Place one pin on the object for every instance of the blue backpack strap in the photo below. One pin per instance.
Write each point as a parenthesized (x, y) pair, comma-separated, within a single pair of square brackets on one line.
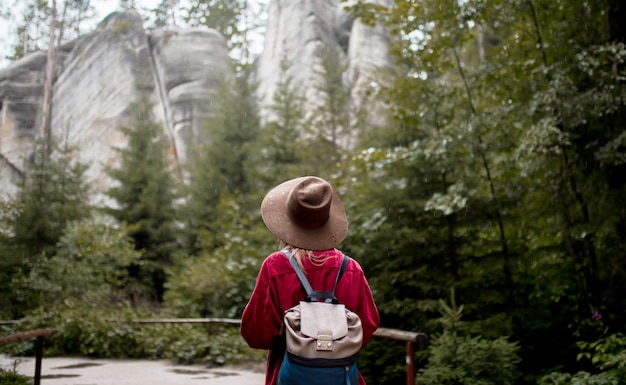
[(342, 268), (305, 282), (311, 294)]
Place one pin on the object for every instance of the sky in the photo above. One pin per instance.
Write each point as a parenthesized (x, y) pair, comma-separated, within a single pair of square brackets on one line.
[(102, 9)]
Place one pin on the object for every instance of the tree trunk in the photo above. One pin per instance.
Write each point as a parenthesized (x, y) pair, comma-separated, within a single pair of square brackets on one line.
[(47, 90)]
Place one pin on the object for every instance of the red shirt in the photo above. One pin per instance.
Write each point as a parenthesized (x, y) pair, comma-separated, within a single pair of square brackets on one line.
[(277, 289)]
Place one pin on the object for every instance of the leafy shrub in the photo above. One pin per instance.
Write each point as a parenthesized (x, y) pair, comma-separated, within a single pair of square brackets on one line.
[(607, 355), (111, 333), (12, 377), (82, 296)]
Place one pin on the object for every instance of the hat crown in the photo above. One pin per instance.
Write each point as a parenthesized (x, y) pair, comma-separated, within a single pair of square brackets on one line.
[(305, 212), (309, 202)]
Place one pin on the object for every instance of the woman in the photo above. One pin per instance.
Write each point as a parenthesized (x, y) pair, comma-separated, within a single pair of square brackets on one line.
[(307, 216)]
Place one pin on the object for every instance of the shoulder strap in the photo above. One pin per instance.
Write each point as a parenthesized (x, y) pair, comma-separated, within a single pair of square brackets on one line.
[(311, 294)]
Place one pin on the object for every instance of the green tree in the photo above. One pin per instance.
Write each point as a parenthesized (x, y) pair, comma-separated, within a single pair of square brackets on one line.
[(221, 160), (607, 358), (144, 196), (330, 115), (502, 114), (282, 146), (457, 357), (53, 193), (86, 269), (218, 279)]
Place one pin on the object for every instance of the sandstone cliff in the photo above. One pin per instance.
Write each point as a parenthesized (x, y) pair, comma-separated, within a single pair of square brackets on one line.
[(98, 77), (302, 31), (103, 72)]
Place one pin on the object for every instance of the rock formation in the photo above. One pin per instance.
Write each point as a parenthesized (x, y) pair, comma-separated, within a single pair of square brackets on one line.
[(102, 73), (301, 31), (99, 76)]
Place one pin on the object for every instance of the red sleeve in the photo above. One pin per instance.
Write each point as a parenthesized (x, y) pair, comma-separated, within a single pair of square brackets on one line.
[(261, 319), (368, 312)]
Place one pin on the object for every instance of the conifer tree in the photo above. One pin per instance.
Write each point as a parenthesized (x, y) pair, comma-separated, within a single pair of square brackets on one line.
[(53, 193), (220, 162), (144, 196), (330, 119), (282, 149)]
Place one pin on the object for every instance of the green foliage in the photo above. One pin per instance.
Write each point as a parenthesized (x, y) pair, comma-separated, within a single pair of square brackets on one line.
[(607, 353), (225, 16), (144, 195), (580, 378), (330, 115), (12, 377), (53, 193), (89, 267), (499, 171), (82, 296), (109, 332), (458, 358), (491, 174), (222, 159), (218, 281), (607, 356), (281, 139)]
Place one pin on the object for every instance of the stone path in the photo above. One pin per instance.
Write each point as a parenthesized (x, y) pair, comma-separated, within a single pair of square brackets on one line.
[(87, 371)]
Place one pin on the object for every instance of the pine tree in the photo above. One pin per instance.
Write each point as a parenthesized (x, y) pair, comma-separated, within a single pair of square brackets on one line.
[(144, 196), (53, 193), (221, 162), (282, 147)]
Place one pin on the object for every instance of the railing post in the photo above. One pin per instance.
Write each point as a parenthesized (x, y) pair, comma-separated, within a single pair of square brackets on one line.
[(38, 359), (410, 363)]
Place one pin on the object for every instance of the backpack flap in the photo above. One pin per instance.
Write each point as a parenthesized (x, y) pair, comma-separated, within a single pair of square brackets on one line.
[(323, 319)]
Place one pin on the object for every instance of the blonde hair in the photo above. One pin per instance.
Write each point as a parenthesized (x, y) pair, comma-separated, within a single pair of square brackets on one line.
[(297, 253)]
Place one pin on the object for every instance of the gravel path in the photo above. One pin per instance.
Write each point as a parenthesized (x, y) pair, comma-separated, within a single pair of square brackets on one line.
[(87, 371)]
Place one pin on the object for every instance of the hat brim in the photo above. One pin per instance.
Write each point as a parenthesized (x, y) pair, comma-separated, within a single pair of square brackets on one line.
[(276, 218)]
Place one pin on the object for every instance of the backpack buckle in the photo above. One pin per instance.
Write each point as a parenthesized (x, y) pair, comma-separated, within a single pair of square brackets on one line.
[(325, 343)]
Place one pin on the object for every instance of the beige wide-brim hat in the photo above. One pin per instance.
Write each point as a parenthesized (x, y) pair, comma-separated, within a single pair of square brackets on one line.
[(306, 213)]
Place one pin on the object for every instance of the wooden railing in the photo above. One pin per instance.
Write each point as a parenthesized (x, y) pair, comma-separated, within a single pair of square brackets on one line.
[(39, 334), (411, 338)]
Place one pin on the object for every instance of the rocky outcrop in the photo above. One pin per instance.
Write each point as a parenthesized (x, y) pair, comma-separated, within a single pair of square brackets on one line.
[(98, 79), (21, 92), (302, 32), (190, 67), (101, 74)]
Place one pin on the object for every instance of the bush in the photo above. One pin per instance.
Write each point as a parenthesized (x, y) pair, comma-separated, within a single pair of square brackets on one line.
[(455, 358), (81, 295), (87, 330), (607, 355), (11, 377)]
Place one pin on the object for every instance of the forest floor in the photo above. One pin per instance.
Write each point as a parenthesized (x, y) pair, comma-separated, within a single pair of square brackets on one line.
[(88, 371)]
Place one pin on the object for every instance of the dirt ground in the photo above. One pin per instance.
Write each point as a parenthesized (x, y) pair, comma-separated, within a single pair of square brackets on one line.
[(87, 371)]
